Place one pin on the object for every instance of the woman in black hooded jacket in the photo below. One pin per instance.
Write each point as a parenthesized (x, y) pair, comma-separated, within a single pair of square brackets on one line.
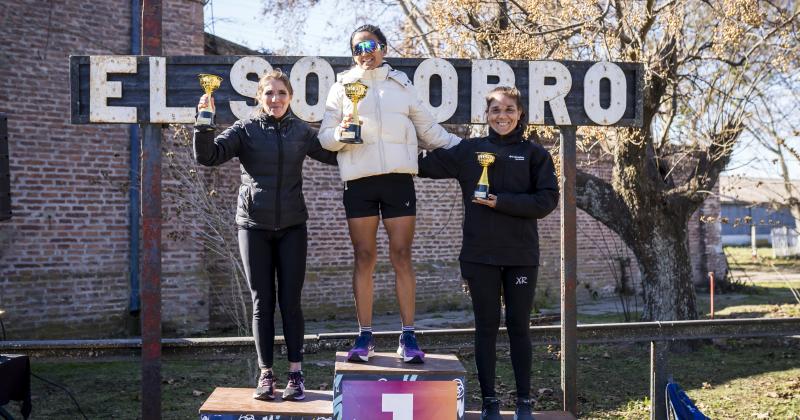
[(500, 250), (271, 216)]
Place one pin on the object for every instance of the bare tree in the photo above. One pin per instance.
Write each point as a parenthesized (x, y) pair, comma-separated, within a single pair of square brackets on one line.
[(200, 210)]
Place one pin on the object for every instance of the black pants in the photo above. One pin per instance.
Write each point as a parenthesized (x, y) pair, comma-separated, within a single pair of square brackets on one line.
[(264, 254), (516, 285)]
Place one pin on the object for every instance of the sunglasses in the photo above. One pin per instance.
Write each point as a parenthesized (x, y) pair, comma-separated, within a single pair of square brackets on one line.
[(367, 47)]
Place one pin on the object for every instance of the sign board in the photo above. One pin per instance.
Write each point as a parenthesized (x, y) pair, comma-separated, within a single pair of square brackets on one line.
[(161, 90)]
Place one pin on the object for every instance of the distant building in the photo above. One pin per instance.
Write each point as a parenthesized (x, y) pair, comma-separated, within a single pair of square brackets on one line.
[(747, 202)]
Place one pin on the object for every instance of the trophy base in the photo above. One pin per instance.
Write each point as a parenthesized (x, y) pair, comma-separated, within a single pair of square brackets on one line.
[(481, 192), (352, 135), (205, 118)]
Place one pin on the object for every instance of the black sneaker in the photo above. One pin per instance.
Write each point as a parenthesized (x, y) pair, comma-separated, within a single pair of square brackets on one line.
[(265, 389), (491, 409), (524, 408), (295, 390)]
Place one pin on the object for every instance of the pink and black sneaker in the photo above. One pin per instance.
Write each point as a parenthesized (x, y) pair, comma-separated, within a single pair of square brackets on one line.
[(295, 388), (265, 389)]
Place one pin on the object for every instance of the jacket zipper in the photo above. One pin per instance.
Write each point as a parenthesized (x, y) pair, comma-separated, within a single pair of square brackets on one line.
[(279, 178), (380, 132)]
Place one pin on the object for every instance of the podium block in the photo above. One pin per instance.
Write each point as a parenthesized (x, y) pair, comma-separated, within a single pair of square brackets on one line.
[(388, 389), (238, 403)]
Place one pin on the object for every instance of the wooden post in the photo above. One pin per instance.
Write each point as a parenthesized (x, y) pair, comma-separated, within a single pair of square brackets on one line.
[(658, 380), (569, 346), (151, 232)]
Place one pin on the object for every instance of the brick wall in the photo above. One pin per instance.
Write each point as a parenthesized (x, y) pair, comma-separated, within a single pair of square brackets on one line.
[(64, 254)]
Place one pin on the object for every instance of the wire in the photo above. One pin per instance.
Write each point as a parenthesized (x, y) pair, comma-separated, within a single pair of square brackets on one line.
[(51, 383)]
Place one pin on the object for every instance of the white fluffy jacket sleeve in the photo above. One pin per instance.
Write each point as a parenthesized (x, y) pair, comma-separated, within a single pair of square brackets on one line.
[(328, 133), (430, 134)]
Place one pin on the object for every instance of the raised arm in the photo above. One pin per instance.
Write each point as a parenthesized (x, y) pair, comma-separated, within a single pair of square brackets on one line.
[(431, 135), (440, 163), (543, 199), (315, 150), (210, 151)]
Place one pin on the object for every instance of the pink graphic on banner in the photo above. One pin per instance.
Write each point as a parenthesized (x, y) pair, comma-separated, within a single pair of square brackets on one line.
[(398, 400)]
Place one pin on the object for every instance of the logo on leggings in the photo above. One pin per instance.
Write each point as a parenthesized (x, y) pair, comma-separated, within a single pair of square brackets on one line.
[(408, 204), (522, 280)]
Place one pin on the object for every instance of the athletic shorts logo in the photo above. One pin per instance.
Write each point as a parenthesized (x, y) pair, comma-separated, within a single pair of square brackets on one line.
[(522, 280), (408, 204)]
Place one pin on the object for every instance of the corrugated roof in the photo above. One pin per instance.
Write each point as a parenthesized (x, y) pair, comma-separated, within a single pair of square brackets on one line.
[(742, 189)]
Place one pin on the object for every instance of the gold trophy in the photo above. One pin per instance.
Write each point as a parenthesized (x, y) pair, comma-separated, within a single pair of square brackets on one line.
[(355, 91), (486, 160), (210, 83)]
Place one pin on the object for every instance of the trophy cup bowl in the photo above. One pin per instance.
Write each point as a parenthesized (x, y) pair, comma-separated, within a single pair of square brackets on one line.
[(485, 159), (355, 91), (209, 83)]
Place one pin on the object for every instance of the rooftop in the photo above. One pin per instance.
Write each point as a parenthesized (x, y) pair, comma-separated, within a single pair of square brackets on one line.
[(740, 189)]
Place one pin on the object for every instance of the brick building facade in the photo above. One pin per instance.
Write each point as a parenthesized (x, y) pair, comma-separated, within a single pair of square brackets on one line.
[(64, 254)]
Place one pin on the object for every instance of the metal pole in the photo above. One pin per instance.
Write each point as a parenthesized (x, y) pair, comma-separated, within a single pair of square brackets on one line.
[(151, 232), (711, 289), (658, 380), (753, 248), (569, 346)]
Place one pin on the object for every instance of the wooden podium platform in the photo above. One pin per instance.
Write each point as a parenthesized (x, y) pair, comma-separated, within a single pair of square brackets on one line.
[(383, 389), (233, 403)]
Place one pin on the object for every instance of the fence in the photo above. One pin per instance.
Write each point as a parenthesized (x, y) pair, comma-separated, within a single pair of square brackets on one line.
[(658, 334)]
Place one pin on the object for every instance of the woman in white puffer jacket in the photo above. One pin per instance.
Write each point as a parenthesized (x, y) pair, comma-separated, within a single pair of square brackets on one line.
[(378, 176)]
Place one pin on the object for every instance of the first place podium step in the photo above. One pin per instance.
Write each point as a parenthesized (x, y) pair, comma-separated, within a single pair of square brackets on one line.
[(388, 389)]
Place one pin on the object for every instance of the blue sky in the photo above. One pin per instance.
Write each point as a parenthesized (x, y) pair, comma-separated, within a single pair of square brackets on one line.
[(241, 21)]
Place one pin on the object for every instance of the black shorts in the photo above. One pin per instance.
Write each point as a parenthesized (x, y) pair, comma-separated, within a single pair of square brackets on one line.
[(390, 195)]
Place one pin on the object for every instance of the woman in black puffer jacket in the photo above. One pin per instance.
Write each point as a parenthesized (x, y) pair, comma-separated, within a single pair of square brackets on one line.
[(271, 216), (500, 250)]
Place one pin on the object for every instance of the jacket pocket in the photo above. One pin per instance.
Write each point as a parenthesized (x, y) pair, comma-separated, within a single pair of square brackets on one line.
[(244, 201)]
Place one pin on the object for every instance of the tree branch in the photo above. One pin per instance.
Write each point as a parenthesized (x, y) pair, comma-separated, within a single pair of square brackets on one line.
[(597, 197)]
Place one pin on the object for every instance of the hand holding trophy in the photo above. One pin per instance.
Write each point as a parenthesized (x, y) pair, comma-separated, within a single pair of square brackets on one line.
[(205, 110), (355, 91), (485, 159)]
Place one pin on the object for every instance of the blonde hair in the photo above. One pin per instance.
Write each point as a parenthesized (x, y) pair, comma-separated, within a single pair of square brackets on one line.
[(276, 74)]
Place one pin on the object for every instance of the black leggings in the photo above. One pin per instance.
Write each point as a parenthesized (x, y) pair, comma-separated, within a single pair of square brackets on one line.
[(517, 285), (265, 253)]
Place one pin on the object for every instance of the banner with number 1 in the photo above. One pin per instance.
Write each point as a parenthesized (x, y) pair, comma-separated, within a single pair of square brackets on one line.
[(399, 400)]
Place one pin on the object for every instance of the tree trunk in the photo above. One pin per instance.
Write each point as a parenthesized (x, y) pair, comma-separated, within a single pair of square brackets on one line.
[(664, 262)]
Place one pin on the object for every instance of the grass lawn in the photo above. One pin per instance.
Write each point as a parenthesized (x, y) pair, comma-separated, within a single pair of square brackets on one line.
[(743, 256), (738, 379)]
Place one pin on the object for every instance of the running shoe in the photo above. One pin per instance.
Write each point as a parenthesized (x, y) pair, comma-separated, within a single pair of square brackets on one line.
[(265, 389), (491, 409), (524, 409), (295, 389), (363, 349), (409, 349)]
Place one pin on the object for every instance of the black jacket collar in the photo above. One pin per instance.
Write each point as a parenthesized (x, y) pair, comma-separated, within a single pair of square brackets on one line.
[(515, 136), (268, 119)]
